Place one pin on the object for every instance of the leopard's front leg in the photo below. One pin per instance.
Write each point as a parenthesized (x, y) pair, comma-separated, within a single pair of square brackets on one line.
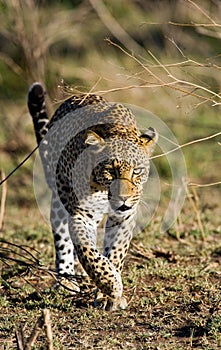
[(100, 269), (118, 234)]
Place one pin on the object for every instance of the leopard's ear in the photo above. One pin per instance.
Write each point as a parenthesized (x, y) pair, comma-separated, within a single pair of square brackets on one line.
[(91, 138), (149, 138)]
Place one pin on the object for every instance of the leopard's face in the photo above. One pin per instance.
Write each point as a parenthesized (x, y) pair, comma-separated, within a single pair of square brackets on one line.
[(123, 173), (123, 181)]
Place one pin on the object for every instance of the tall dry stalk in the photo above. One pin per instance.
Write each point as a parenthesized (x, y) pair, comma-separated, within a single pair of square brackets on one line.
[(25, 24)]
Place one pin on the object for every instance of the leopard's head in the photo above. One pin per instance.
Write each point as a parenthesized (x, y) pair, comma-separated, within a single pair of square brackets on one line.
[(125, 167)]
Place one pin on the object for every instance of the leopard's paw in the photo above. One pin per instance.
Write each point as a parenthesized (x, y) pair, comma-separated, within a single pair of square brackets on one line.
[(104, 302)]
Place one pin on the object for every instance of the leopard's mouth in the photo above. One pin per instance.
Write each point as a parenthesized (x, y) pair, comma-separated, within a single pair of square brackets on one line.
[(123, 207)]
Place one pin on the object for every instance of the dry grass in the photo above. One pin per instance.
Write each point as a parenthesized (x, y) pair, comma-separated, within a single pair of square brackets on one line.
[(173, 288)]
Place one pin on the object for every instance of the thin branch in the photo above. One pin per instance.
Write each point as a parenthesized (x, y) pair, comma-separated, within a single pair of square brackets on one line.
[(174, 84), (91, 91), (187, 144), (183, 81), (194, 200), (43, 320), (31, 258), (194, 184), (200, 9), (34, 334), (19, 334), (18, 166), (115, 28), (12, 65), (210, 33), (130, 87), (137, 60), (48, 330), (3, 200), (192, 24)]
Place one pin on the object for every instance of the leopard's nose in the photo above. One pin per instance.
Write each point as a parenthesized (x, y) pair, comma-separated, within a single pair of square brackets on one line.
[(124, 197), (121, 189)]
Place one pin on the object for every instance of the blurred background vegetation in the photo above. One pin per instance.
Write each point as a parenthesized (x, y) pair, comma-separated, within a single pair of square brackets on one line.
[(161, 55)]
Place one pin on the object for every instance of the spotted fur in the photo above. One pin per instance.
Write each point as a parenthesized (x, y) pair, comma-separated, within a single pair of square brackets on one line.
[(96, 161)]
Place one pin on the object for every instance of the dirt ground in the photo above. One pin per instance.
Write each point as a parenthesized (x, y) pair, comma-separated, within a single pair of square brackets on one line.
[(172, 285)]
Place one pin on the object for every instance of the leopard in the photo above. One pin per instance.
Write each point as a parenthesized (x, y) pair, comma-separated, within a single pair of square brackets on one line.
[(96, 161)]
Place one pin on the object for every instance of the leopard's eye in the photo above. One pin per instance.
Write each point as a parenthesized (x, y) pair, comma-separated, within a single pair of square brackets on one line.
[(109, 168), (138, 171), (110, 171)]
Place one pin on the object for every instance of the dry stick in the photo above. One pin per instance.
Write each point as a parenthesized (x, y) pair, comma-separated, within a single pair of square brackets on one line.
[(196, 209), (135, 86), (34, 334), (179, 224), (3, 200), (208, 32), (43, 320), (115, 28), (194, 184), (12, 65), (174, 84), (192, 24), (202, 11), (187, 144), (138, 61), (48, 330), (90, 91), (184, 82), (20, 338), (179, 24)]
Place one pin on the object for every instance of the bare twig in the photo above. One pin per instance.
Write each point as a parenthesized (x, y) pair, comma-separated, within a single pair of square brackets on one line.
[(43, 321), (184, 82), (175, 83), (177, 226), (194, 201), (19, 334), (192, 24), (34, 334), (200, 9), (29, 258), (194, 184), (12, 64), (115, 28), (48, 330), (141, 252), (187, 144), (211, 33), (18, 166), (3, 200)]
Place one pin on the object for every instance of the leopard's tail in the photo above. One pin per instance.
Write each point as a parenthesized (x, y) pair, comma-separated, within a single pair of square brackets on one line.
[(37, 109)]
